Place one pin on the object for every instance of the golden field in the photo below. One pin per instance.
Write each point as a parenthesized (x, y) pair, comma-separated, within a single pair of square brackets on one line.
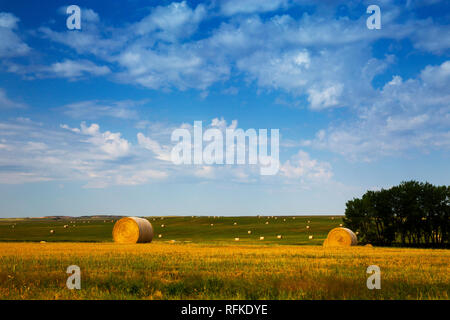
[(163, 270)]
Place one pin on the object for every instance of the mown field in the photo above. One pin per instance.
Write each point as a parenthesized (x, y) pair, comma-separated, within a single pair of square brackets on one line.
[(205, 262), (185, 229)]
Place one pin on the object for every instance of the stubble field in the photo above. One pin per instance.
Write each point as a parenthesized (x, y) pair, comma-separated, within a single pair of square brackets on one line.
[(188, 264)]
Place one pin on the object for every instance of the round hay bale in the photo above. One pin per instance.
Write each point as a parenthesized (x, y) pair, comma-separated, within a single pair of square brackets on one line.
[(236, 239), (133, 230), (261, 238), (52, 231), (310, 237), (368, 245), (249, 231), (341, 237), (279, 236)]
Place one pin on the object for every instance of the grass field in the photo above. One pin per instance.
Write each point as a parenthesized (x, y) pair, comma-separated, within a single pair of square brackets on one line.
[(205, 262)]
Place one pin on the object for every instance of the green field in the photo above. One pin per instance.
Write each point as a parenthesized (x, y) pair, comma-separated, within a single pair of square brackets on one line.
[(185, 229)]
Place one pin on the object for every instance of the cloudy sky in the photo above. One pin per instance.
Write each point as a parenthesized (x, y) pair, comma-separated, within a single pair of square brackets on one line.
[(86, 115)]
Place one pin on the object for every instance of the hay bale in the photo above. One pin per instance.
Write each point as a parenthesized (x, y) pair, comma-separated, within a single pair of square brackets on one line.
[(307, 227), (249, 231), (261, 238), (279, 236), (212, 224), (133, 230), (340, 224), (52, 231), (159, 235), (341, 237), (236, 239), (235, 224), (368, 245), (43, 242), (163, 226), (310, 237), (267, 222)]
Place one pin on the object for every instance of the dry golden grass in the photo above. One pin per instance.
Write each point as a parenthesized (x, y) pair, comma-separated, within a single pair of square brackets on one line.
[(192, 271)]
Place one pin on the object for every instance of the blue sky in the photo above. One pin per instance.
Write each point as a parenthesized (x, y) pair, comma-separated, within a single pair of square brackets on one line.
[(86, 115)]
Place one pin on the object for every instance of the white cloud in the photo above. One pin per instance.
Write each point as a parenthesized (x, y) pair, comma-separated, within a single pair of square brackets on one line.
[(71, 69), (232, 7), (162, 153), (316, 56), (94, 109), (328, 97), (302, 167), (10, 45), (405, 115), (31, 152), (75, 69), (177, 20), (6, 103)]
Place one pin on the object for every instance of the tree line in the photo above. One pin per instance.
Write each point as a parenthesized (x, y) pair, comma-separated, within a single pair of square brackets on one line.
[(411, 214)]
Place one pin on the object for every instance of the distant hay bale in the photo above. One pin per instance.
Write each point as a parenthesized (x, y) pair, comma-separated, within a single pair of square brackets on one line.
[(267, 222), (249, 231), (293, 218), (332, 218), (340, 237), (235, 224), (159, 235), (307, 227), (163, 226), (309, 221), (284, 220), (340, 225), (236, 239), (172, 241), (133, 230), (212, 224), (66, 226), (52, 231), (279, 236), (43, 242), (261, 238), (310, 237)]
